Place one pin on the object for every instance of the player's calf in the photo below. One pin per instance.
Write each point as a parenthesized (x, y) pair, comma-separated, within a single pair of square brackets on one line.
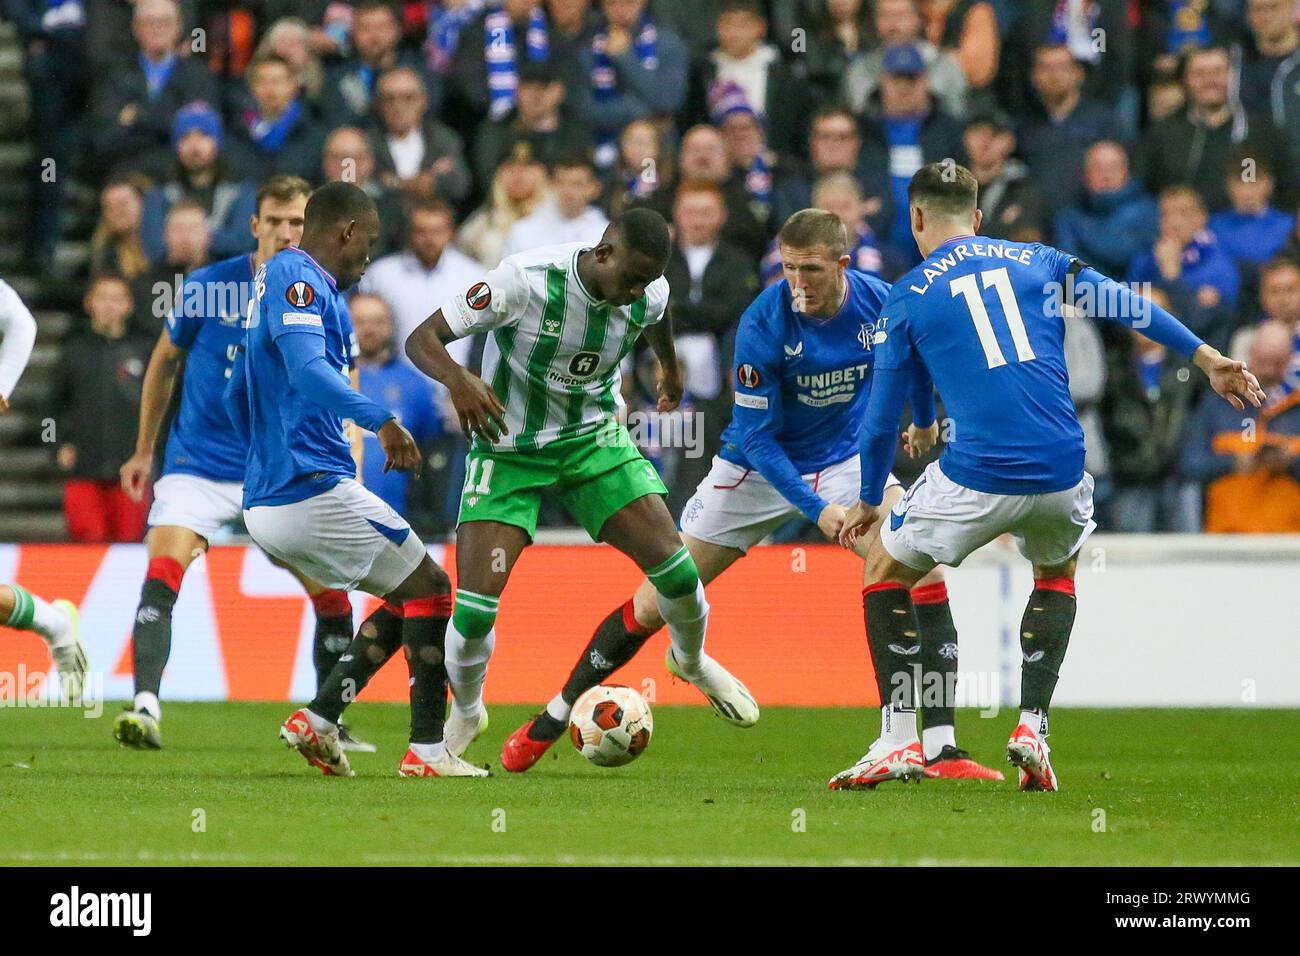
[(1044, 637), (377, 640), (471, 639)]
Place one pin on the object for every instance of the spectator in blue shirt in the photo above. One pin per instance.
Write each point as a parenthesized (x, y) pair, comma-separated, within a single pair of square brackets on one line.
[(394, 385), (1186, 259), (199, 172), (1114, 219), (1252, 231)]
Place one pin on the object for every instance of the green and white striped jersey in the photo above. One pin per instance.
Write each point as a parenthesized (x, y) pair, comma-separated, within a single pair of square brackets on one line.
[(554, 353)]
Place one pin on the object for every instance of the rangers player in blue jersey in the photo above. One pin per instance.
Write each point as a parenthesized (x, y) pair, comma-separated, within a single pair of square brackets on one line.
[(201, 486), (804, 356), (289, 397), (986, 319)]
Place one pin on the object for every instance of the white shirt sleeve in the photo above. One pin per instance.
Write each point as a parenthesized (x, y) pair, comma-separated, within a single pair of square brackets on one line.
[(656, 300), (19, 331), (496, 300)]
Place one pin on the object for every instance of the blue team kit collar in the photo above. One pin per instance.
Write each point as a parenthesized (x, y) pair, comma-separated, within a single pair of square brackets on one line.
[(323, 271), (950, 242)]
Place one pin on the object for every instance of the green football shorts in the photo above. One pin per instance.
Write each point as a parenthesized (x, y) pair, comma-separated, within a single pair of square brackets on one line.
[(592, 475)]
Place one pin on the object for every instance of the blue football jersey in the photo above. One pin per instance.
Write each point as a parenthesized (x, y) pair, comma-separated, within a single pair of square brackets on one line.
[(983, 316), (803, 383), (297, 448), (207, 322)]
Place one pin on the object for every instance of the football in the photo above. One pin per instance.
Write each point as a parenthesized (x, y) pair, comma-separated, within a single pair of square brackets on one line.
[(610, 725)]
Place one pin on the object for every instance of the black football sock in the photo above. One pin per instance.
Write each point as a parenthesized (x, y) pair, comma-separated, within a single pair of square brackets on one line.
[(1044, 636), (938, 689), (333, 631), (424, 637), (151, 638), (895, 642), (378, 639), (616, 641)]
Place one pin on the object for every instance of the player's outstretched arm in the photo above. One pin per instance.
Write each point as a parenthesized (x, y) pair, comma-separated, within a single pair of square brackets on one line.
[(1116, 302), (155, 396), (660, 337), (477, 406)]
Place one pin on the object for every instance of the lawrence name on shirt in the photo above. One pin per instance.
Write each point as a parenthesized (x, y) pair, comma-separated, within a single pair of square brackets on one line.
[(986, 319)]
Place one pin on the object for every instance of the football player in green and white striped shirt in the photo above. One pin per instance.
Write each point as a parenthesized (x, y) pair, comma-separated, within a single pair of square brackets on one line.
[(544, 417)]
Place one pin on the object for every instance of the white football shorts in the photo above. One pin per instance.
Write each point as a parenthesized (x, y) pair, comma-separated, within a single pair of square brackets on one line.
[(197, 504), (941, 522), (345, 538), (737, 507)]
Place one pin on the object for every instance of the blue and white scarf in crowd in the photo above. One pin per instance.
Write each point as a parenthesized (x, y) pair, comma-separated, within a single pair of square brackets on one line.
[(502, 62), (63, 15), (758, 183), (445, 27), (269, 135), (1074, 23), (604, 80)]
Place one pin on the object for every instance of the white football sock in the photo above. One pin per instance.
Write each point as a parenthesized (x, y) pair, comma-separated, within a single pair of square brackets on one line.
[(467, 663), (687, 619), (149, 703), (897, 726), (558, 709), (319, 723), (934, 739), (430, 752), (1036, 720), (50, 622)]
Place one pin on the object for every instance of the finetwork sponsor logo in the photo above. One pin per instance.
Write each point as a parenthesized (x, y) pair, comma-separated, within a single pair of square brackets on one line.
[(74, 908)]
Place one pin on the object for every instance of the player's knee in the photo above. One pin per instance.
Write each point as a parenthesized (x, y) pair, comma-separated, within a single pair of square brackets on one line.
[(677, 577), (474, 615)]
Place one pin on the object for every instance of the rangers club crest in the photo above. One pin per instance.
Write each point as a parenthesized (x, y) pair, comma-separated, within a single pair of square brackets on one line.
[(479, 296), (300, 295), (747, 376), (865, 335)]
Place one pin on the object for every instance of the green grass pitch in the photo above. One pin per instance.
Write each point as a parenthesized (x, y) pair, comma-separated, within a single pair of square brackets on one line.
[(1139, 788)]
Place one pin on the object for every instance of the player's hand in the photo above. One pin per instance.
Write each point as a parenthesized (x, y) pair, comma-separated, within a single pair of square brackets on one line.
[(831, 520), (918, 440), (66, 457), (670, 389), (477, 406), (857, 522), (4, 405), (400, 450), (136, 474), (1231, 380)]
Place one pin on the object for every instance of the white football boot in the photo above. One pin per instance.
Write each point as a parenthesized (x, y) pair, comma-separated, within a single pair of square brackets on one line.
[(459, 732), (730, 699), (885, 760), (320, 749), (70, 654), (1028, 750), (448, 765)]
